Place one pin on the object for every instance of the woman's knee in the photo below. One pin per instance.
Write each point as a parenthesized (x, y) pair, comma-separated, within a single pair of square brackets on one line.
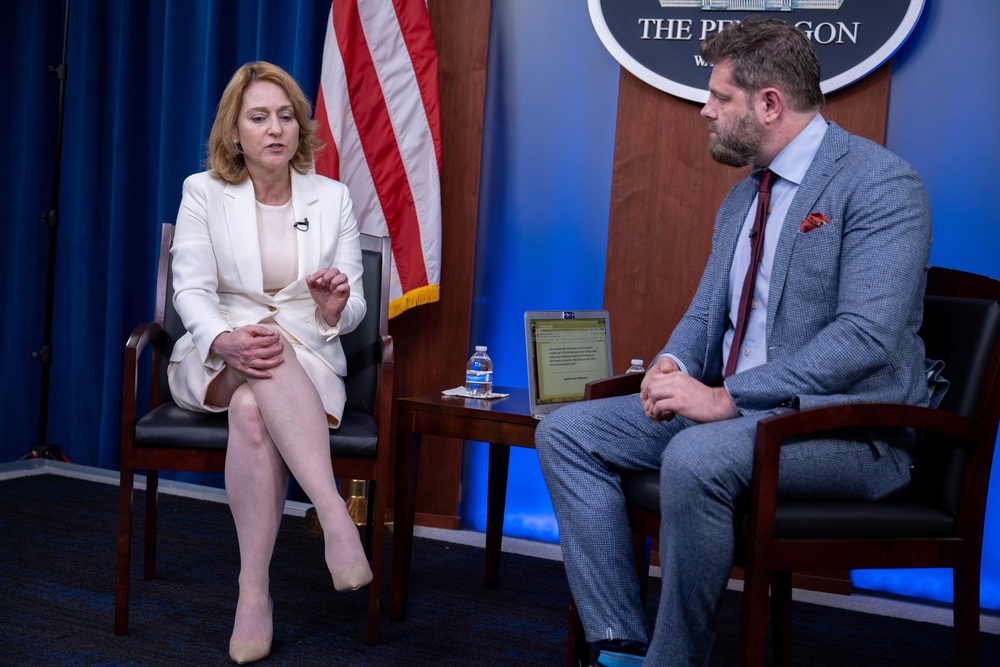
[(287, 350), (245, 418)]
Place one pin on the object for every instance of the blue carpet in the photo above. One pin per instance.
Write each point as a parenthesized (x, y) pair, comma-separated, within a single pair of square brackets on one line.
[(57, 560)]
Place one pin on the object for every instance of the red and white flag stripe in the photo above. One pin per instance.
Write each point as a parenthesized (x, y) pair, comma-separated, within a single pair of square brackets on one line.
[(379, 117)]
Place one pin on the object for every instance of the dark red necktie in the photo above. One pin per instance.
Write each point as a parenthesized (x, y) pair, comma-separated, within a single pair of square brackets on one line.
[(756, 250)]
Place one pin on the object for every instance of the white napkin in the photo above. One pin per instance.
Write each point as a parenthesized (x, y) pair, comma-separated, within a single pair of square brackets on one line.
[(464, 393)]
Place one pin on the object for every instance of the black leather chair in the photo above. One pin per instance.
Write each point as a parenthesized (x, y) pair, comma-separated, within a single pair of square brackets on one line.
[(936, 522), (168, 437)]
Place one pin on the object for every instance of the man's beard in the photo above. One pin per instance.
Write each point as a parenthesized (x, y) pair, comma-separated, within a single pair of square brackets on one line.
[(740, 145)]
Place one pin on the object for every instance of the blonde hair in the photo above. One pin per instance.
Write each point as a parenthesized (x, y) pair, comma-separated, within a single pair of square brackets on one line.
[(225, 157)]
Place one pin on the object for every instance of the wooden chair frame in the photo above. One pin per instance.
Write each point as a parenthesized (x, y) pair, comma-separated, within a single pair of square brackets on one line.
[(769, 559), (377, 469)]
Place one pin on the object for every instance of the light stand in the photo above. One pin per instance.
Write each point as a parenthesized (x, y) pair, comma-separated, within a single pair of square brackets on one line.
[(42, 448)]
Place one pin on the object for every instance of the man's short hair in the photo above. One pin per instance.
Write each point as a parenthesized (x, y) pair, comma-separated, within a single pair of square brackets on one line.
[(766, 52)]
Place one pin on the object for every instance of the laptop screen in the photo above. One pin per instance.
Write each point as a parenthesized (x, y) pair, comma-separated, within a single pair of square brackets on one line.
[(566, 350)]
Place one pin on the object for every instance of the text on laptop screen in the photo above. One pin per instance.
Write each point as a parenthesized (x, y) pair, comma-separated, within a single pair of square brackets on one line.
[(570, 353)]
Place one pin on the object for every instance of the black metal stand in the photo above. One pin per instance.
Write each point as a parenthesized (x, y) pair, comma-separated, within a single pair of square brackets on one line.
[(42, 448)]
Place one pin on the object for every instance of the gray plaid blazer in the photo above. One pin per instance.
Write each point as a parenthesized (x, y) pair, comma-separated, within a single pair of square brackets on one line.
[(846, 299)]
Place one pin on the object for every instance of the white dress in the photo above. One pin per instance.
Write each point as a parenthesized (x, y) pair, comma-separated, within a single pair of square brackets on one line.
[(190, 379)]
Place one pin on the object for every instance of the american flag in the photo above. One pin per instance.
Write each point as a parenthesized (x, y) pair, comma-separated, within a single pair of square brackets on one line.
[(379, 117)]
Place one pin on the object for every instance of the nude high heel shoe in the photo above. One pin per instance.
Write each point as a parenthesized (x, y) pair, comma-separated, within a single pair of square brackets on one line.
[(342, 543), (242, 652), (352, 578)]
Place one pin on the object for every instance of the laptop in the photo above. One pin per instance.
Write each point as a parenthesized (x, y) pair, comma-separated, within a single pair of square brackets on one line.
[(566, 350)]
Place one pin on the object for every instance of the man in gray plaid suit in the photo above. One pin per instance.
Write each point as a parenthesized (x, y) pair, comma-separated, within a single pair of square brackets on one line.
[(834, 311)]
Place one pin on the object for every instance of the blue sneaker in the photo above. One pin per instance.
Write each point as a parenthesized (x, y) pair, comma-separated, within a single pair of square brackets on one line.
[(616, 659)]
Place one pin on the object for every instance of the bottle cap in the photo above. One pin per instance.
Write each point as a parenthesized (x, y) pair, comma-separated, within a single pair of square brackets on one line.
[(637, 362), (480, 348)]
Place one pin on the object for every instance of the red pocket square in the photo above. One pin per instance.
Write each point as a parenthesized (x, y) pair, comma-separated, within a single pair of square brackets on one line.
[(812, 221)]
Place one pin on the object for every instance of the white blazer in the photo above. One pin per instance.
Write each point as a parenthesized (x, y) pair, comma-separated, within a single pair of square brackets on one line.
[(218, 279)]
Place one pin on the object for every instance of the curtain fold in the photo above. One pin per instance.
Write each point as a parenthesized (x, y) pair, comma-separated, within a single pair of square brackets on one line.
[(143, 82)]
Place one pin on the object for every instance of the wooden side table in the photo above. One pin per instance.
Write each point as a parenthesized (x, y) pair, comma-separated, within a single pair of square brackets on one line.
[(502, 422)]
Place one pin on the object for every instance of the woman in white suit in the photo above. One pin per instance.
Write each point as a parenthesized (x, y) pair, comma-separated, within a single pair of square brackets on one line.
[(267, 276)]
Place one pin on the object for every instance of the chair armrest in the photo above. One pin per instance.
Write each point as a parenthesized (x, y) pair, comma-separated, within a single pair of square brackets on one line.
[(143, 335), (149, 333), (385, 406), (616, 385), (388, 353), (772, 432)]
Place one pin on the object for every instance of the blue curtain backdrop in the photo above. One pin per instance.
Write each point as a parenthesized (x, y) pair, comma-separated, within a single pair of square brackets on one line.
[(143, 82), (144, 79)]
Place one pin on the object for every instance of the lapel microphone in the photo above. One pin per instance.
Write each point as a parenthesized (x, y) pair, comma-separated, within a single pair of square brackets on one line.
[(303, 225)]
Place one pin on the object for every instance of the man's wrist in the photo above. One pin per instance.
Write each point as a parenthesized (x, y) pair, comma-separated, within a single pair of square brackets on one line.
[(726, 399)]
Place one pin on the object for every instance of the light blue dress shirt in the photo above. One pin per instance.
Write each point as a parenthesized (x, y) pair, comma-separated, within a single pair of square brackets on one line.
[(790, 165)]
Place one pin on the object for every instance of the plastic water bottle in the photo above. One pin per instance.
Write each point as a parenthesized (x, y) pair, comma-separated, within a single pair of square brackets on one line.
[(479, 373), (636, 367)]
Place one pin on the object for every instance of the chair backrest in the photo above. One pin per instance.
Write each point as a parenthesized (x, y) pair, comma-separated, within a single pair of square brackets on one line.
[(166, 316), (362, 347), (961, 327)]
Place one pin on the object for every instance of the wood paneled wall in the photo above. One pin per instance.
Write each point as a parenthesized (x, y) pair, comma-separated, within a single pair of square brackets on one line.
[(430, 341)]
